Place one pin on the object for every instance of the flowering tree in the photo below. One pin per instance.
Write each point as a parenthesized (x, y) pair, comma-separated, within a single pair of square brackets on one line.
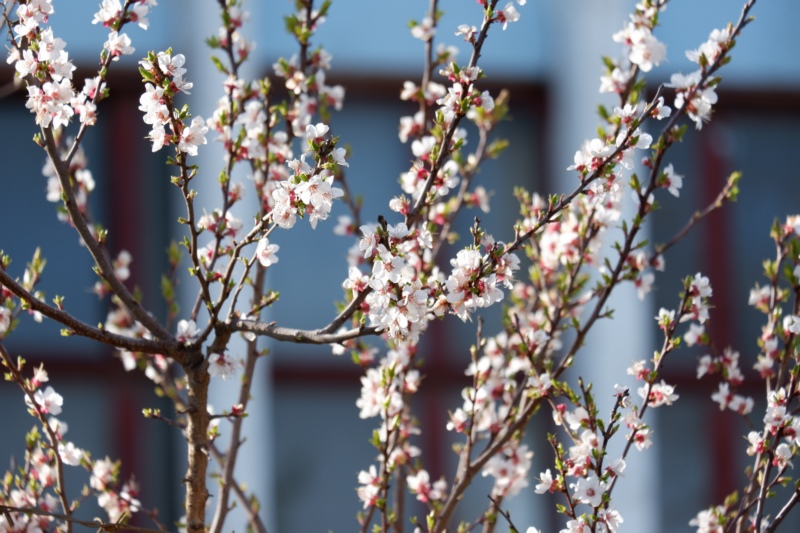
[(277, 128)]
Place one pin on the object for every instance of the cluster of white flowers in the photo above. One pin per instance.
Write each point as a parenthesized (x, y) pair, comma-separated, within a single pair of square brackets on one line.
[(473, 283), (45, 456), (696, 95), (420, 484), (643, 49), (591, 484), (398, 301), (310, 191), (701, 99), (727, 365), (111, 12), (394, 279), (240, 45), (383, 394), (114, 501), (41, 57), (82, 186), (369, 486), (309, 84), (164, 73), (509, 468), (459, 100)]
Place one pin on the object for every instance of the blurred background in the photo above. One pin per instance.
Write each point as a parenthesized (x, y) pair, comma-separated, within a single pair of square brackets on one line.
[(305, 443)]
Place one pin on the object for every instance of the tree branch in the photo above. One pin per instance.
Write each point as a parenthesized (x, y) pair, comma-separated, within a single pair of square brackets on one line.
[(96, 524), (84, 330), (316, 336), (106, 270)]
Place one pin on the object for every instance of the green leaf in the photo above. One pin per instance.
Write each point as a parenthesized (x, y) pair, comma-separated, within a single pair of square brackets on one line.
[(218, 63)]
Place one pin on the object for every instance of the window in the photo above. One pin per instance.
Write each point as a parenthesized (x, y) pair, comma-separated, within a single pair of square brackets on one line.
[(103, 403), (756, 133), (315, 393)]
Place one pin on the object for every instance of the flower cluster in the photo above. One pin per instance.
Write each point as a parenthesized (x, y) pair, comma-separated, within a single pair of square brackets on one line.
[(584, 461), (305, 77), (398, 301), (116, 501), (420, 484), (82, 182), (396, 284), (696, 90), (384, 393), (40, 57), (37, 482), (727, 365), (643, 49), (309, 191), (509, 469), (774, 442), (163, 77), (588, 435)]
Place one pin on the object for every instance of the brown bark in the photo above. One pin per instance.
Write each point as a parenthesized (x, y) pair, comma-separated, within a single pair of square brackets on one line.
[(197, 440)]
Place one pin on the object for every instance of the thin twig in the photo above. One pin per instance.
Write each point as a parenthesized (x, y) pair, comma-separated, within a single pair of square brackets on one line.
[(504, 514), (51, 434), (96, 525)]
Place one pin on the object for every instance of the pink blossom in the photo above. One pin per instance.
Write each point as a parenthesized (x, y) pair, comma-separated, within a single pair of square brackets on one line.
[(660, 110), (510, 470), (757, 444), (5, 320), (425, 30), (222, 365), (193, 136), (791, 324), (467, 31), (420, 484), (642, 439), (70, 454), (577, 526), (187, 331), (118, 44), (171, 66), (46, 402), (701, 101), (109, 11), (266, 252), (709, 51), (508, 14), (589, 491), (611, 517), (671, 181), (546, 482), (707, 521), (645, 50), (783, 456), (369, 488), (50, 47), (104, 473), (316, 133), (694, 335), (660, 394)]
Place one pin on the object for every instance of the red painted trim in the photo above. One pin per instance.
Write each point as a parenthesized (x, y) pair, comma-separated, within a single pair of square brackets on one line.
[(124, 171), (716, 235)]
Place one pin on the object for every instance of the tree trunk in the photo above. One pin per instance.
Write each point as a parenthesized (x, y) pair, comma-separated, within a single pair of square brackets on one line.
[(196, 437)]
